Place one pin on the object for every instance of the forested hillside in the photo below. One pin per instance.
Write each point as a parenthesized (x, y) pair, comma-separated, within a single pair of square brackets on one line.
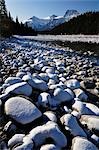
[(9, 27), (87, 23)]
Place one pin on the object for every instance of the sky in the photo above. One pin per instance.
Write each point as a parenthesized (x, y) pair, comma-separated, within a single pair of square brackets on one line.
[(25, 9)]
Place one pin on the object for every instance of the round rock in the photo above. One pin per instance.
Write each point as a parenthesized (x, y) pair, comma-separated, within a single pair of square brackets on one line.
[(21, 110), (82, 144), (20, 88), (73, 84)]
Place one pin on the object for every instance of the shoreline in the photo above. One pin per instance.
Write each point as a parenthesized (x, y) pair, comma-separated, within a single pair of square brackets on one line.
[(71, 38)]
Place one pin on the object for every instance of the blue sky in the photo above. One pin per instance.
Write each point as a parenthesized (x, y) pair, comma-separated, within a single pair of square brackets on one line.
[(25, 9)]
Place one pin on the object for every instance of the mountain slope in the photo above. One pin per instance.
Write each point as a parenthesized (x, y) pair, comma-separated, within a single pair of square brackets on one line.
[(50, 22), (87, 23)]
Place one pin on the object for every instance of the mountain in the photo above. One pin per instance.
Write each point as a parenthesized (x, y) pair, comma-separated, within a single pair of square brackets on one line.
[(87, 23), (71, 13), (50, 22)]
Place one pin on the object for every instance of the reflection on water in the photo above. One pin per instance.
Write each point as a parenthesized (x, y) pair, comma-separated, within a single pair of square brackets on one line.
[(81, 46)]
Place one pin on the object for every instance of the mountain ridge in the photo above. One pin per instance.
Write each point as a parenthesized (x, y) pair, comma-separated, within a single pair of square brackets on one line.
[(48, 23)]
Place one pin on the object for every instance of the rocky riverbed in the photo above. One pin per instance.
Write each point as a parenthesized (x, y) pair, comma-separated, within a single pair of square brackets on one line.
[(49, 97)]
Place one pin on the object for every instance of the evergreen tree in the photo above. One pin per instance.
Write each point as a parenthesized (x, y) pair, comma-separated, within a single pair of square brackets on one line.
[(9, 27), (3, 10), (9, 16), (3, 19), (87, 23), (17, 21)]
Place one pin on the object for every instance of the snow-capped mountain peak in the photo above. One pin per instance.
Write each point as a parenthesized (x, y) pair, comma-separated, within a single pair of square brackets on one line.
[(53, 17), (50, 22), (70, 13)]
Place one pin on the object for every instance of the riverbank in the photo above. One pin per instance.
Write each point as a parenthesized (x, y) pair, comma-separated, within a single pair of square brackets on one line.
[(71, 38), (46, 91)]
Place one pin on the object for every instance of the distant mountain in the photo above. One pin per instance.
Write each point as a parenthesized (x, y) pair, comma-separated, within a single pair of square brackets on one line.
[(50, 22), (87, 23), (71, 13)]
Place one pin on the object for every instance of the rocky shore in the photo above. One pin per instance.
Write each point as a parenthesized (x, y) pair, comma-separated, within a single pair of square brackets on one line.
[(49, 97)]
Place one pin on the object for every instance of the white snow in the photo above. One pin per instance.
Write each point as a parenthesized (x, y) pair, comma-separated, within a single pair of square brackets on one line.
[(35, 82), (17, 138), (21, 110), (71, 124), (82, 144), (80, 94), (12, 80), (92, 122), (61, 95), (71, 38), (19, 88), (73, 84), (49, 147), (41, 24), (51, 115), (48, 130)]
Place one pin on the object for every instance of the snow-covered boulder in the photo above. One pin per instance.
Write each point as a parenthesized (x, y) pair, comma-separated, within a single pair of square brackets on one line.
[(35, 82), (82, 144), (62, 79), (44, 77), (92, 122), (85, 108), (17, 138), (20, 88), (12, 80), (59, 63), (71, 124), (4, 86), (53, 77), (25, 146), (54, 86), (51, 116), (48, 130), (20, 74), (44, 68), (80, 94), (50, 147), (39, 84), (21, 110), (44, 99), (95, 138), (61, 95), (93, 108), (61, 69), (51, 82), (73, 84), (50, 70)]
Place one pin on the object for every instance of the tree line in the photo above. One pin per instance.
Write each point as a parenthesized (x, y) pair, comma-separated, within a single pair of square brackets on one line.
[(10, 27), (87, 23)]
